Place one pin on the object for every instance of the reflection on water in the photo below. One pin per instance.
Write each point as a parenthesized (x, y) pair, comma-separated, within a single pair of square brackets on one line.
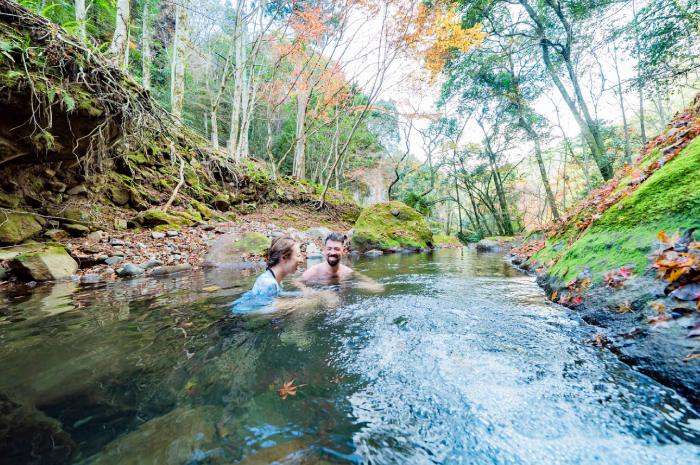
[(458, 360)]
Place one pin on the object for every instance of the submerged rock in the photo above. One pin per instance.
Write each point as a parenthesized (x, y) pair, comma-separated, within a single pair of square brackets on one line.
[(378, 228), (16, 227), (48, 264), (179, 437)]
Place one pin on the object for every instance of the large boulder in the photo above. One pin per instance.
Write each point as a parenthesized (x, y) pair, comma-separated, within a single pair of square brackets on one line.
[(50, 263), (391, 226), (16, 227), (251, 243)]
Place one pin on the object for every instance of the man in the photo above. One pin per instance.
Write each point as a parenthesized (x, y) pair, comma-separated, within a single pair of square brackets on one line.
[(331, 269)]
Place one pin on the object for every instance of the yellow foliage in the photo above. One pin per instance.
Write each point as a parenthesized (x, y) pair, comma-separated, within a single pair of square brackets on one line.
[(437, 32)]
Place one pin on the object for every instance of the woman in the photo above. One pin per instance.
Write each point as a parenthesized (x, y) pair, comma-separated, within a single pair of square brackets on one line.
[(283, 258)]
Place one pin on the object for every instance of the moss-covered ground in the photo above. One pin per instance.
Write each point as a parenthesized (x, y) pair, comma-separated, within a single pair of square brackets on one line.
[(669, 200)]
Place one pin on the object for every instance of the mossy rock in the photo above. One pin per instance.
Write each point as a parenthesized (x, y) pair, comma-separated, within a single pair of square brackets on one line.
[(9, 200), (76, 229), (49, 264), (76, 215), (252, 243), (154, 217), (16, 227), (391, 225), (206, 212), (118, 195)]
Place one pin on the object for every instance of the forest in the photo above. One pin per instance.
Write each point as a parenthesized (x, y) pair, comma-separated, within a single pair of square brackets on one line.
[(349, 232), (554, 98)]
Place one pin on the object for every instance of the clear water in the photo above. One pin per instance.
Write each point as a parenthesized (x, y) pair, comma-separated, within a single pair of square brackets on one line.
[(459, 361)]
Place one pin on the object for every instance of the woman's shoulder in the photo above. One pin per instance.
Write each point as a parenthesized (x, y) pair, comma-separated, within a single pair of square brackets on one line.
[(266, 284)]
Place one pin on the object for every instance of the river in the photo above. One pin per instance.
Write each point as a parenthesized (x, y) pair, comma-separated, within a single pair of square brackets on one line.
[(460, 360)]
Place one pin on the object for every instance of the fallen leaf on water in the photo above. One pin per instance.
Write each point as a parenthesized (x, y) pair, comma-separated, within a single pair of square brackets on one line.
[(211, 288), (690, 357), (600, 340), (625, 307), (289, 389)]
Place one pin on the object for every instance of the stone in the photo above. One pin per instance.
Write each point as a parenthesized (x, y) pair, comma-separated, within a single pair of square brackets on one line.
[(488, 245), (56, 234), (107, 274), (56, 186), (49, 173), (120, 224), (16, 227), (9, 200), (251, 243), (168, 269), (157, 235), (152, 263), (155, 217), (89, 248), (76, 215), (96, 236), (395, 212), (76, 230), (374, 253), (222, 202), (49, 264), (115, 241), (206, 212), (113, 260), (4, 273), (312, 251), (378, 228), (319, 233), (172, 233), (119, 195), (77, 190), (130, 270)]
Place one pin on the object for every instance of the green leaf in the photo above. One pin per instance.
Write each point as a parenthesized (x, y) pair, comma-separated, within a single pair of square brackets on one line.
[(68, 101)]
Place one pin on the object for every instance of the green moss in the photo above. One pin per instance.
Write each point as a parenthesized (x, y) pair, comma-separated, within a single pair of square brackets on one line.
[(378, 228), (138, 158), (16, 227), (155, 217), (252, 243), (443, 240), (668, 201)]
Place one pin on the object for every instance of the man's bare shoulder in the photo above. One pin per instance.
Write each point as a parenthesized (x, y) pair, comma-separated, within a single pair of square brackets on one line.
[(312, 272), (346, 270)]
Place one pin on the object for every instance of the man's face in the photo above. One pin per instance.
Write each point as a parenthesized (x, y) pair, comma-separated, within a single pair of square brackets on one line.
[(333, 251)]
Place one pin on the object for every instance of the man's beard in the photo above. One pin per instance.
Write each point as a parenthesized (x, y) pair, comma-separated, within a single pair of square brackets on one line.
[(333, 260)]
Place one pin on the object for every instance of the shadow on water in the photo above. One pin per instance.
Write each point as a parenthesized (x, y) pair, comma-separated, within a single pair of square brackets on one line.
[(459, 360)]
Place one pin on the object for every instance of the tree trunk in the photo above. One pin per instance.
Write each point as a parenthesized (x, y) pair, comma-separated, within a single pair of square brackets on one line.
[(299, 169), (177, 79), (80, 18), (146, 37), (540, 163), (583, 118), (119, 48), (628, 152)]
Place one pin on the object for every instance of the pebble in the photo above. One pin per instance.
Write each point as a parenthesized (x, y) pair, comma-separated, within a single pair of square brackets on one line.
[(116, 241), (172, 233), (157, 235), (79, 189), (96, 236), (130, 270), (111, 261), (90, 248), (152, 263)]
